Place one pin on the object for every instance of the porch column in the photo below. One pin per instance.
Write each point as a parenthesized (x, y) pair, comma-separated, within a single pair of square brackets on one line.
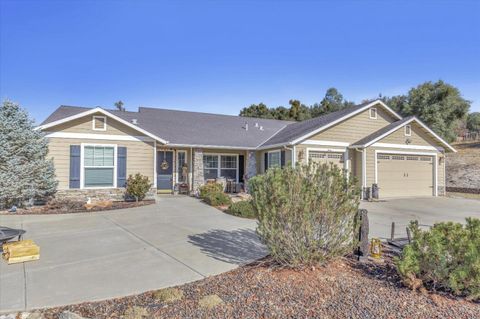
[(198, 179), (251, 167)]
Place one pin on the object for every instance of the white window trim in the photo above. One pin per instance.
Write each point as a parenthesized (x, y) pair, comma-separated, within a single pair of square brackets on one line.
[(219, 168), (104, 122), (370, 113), (177, 164), (435, 165), (268, 158), (410, 128), (82, 166)]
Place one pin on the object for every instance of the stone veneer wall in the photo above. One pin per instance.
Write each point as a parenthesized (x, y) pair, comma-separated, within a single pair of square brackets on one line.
[(115, 194), (198, 179), (251, 167)]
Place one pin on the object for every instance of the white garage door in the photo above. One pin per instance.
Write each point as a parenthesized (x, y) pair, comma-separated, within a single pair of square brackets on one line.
[(326, 157), (405, 175)]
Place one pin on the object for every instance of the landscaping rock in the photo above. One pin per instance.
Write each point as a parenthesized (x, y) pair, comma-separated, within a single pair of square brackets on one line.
[(70, 315), (35, 315), (210, 301), (136, 312), (168, 295)]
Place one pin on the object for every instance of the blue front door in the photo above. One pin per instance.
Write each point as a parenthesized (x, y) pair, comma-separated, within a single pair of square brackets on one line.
[(164, 170)]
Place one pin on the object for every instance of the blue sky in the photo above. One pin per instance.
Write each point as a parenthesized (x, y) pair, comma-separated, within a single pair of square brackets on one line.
[(219, 56)]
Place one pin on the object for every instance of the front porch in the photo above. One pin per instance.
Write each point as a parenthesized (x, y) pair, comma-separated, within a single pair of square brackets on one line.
[(184, 170)]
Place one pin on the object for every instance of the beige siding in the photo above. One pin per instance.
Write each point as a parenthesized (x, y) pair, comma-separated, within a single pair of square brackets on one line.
[(356, 127), (357, 165), (418, 137), (261, 158), (139, 156), (84, 125)]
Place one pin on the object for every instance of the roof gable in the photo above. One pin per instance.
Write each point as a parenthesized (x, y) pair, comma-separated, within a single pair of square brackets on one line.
[(296, 132), (394, 127)]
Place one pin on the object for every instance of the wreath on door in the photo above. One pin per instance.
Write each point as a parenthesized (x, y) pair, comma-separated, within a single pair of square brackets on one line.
[(164, 166)]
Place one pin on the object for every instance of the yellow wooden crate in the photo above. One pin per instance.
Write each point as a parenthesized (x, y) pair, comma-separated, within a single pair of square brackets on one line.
[(21, 251)]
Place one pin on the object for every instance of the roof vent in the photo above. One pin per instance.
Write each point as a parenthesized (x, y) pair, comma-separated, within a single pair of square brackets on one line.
[(134, 121), (246, 126), (256, 124), (261, 128)]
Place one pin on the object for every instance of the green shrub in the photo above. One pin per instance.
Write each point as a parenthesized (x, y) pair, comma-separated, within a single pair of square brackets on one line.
[(210, 188), (445, 257), (306, 214), (217, 199), (242, 209), (138, 186)]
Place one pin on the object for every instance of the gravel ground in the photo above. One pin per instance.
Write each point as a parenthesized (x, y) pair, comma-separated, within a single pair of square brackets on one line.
[(72, 207), (342, 289)]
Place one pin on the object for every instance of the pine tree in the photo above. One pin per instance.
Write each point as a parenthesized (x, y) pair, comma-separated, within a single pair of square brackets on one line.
[(25, 171)]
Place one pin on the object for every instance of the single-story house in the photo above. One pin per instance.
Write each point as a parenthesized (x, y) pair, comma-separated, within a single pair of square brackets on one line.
[(95, 149)]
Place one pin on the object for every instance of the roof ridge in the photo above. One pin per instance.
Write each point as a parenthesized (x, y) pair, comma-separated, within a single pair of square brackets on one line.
[(216, 114)]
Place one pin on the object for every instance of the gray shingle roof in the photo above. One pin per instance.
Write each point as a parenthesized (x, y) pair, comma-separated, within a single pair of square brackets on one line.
[(192, 128), (195, 128), (299, 129), (380, 132)]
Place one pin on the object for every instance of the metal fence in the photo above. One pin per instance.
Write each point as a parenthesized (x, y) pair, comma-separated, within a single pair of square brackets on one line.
[(469, 136)]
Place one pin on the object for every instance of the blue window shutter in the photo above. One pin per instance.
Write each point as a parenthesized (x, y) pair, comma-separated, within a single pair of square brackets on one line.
[(74, 166), (121, 166), (266, 161), (282, 159)]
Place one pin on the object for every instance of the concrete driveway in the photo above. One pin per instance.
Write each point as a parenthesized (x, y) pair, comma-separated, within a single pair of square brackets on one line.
[(87, 257), (427, 211)]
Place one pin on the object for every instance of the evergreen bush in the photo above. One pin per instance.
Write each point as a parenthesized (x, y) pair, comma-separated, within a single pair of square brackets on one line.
[(217, 199), (138, 186), (210, 188), (25, 171), (306, 214), (446, 257), (242, 209)]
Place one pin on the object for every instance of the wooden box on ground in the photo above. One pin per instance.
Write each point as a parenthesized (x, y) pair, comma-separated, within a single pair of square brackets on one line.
[(20, 251)]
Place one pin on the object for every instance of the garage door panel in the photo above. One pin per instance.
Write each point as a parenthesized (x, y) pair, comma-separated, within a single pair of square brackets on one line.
[(405, 175)]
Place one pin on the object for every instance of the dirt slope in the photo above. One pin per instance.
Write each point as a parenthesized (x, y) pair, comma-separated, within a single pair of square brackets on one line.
[(463, 168)]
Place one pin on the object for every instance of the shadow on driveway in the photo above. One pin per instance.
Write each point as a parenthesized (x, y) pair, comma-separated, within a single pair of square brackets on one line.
[(235, 247)]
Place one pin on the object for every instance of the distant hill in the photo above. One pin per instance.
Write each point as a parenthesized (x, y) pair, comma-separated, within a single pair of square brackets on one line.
[(463, 168)]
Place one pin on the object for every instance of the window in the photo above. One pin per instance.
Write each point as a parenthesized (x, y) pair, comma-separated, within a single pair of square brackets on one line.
[(210, 166), (408, 130), (228, 166), (99, 166), (99, 123), (373, 113), (220, 166), (181, 160), (274, 159)]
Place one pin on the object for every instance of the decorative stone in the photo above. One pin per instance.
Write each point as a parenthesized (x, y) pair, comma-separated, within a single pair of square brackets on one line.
[(363, 230), (198, 179), (251, 167), (35, 315), (70, 315), (115, 194)]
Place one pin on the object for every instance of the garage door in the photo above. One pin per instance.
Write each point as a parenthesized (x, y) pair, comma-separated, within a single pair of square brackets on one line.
[(326, 157), (405, 175)]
